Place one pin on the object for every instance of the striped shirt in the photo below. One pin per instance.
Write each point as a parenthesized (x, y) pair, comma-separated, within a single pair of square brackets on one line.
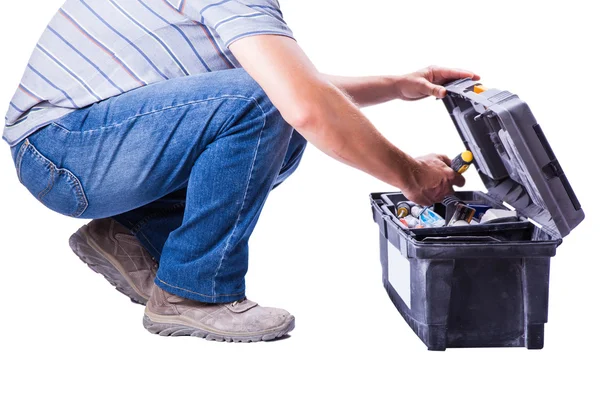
[(96, 49)]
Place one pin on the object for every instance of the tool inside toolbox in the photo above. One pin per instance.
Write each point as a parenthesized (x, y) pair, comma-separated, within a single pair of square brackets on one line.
[(521, 229)]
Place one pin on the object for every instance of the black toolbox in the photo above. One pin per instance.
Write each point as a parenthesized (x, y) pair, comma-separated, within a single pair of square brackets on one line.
[(483, 285)]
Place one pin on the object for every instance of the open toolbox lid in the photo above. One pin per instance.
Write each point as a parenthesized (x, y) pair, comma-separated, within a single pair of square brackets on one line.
[(513, 157)]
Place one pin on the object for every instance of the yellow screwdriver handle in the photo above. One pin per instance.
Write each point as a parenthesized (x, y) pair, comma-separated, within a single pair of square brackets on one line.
[(462, 162)]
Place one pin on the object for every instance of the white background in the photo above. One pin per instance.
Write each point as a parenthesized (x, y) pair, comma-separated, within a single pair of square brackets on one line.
[(66, 333)]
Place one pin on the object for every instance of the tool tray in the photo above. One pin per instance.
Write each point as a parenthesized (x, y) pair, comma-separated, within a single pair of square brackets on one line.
[(521, 230)]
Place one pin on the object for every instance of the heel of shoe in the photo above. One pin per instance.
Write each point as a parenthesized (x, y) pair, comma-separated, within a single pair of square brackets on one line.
[(86, 253), (98, 263)]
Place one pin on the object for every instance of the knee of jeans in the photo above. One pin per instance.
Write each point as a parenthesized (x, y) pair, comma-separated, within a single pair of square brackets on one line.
[(246, 86), (253, 90)]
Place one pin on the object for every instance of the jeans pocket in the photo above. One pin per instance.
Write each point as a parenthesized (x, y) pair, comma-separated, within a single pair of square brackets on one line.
[(56, 188)]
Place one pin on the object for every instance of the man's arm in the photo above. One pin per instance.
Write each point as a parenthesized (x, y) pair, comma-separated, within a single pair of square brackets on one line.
[(371, 90), (366, 91), (330, 121)]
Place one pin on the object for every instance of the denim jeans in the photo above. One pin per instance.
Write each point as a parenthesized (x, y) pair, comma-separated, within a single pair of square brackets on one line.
[(185, 164)]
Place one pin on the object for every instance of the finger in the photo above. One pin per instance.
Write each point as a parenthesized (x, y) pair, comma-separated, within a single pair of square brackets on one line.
[(454, 73), (458, 180), (454, 178), (441, 192), (445, 159), (442, 75), (435, 90), (426, 202), (441, 198), (421, 200)]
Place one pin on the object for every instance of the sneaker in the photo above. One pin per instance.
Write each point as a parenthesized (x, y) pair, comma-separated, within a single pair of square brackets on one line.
[(240, 321), (109, 249)]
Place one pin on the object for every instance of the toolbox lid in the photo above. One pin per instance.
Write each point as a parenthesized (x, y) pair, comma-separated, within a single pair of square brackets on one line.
[(513, 157)]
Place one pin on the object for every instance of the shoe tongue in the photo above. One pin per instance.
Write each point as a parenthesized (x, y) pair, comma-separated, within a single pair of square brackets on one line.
[(241, 306)]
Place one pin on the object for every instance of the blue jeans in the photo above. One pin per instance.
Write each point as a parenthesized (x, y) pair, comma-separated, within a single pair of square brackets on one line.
[(185, 164)]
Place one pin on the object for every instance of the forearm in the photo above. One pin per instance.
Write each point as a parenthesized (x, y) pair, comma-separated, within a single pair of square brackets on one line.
[(367, 91), (338, 128)]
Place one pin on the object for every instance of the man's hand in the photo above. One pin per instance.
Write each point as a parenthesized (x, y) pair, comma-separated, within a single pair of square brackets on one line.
[(427, 82), (432, 180), (370, 90)]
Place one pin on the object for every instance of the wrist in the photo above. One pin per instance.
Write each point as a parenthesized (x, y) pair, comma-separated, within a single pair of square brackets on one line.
[(390, 86), (406, 170), (399, 83)]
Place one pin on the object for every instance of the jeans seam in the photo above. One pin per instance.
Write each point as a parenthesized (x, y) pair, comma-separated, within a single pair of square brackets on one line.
[(82, 200), (199, 294), (149, 242), (40, 156), (57, 123), (244, 199), (51, 181), (49, 164), (19, 159), (285, 166)]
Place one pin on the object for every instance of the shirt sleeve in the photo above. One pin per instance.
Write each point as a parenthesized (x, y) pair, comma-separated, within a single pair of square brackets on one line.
[(237, 19)]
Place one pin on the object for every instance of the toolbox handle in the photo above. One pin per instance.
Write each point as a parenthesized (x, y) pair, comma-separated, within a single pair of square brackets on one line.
[(553, 168)]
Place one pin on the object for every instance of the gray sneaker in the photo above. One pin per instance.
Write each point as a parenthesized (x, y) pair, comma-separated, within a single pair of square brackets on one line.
[(240, 321), (109, 249)]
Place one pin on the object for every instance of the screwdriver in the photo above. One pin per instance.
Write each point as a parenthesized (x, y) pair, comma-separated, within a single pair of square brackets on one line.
[(462, 212), (462, 162)]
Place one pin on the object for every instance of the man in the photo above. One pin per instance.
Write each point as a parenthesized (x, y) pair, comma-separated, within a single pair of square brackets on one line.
[(169, 122)]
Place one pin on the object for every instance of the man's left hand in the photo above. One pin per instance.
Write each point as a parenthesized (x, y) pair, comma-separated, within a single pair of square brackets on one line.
[(427, 82)]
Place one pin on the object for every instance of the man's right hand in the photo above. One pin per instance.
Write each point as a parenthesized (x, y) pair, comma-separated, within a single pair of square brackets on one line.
[(431, 180)]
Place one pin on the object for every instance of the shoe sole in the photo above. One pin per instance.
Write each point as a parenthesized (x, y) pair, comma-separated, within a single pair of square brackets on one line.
[(104, 264), (169, 326)]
